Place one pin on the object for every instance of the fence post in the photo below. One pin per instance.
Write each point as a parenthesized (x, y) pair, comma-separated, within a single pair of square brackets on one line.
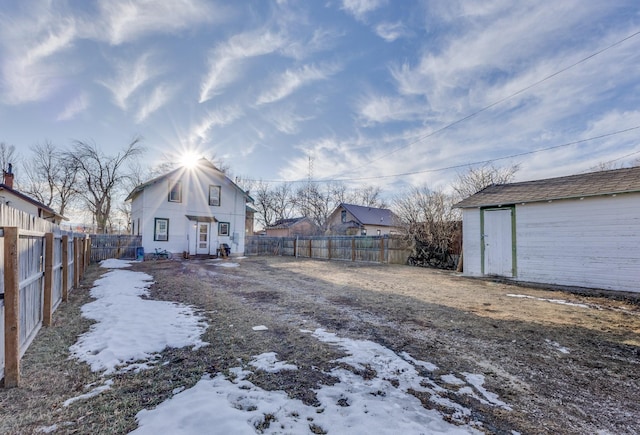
[(381, 249), (295, 247), (353, 249), (76, 262), (88, 251), (11, 309), (310, 251), (65, 268), (48, 279), (329, 248)]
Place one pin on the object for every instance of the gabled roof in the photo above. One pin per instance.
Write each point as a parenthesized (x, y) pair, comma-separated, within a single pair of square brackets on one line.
[(371, 215), (4, 187), (202, 164), (573, 186), (287, 223)]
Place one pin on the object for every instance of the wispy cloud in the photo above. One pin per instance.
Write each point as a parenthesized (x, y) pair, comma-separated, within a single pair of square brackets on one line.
[(381, 109), (360, 8), (391, 31), (287, 120), (291, 80), (75, 106), (225, 60), (200, 133), (124, 20), (159, 97), (30, 72), (129, 77), (321, 40)]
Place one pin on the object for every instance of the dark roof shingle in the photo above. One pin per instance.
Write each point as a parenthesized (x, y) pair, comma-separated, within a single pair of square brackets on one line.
[(573, 186)]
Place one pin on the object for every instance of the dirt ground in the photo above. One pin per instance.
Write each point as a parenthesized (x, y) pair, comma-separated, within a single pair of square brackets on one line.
[(564, 362)]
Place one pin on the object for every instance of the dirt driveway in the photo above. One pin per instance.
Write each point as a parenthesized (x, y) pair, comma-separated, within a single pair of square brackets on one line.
[(563, 362)]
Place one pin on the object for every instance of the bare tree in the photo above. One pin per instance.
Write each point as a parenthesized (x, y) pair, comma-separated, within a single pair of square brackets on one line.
[(433, 225), (8, 155), (476, 179), (264, 203), (369, 196), (101, 177), (614, 164), (50, 177)]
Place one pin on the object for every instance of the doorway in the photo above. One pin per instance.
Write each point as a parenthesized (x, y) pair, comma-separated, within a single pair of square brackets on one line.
[(202, 238), (498, 238)]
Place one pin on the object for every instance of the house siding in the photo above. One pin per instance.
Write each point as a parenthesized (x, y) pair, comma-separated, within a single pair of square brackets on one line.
[(588, 243)]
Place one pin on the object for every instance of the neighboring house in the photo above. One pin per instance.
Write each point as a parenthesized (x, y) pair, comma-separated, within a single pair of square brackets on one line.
[(349, 219), (300, 226), (581, 230), (11, 197), (192, 210)]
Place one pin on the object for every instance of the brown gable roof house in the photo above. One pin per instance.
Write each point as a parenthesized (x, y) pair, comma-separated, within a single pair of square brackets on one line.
[(350, 219), (299, 226)]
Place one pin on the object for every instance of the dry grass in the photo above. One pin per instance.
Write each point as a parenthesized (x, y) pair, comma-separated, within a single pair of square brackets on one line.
[(460, 325)]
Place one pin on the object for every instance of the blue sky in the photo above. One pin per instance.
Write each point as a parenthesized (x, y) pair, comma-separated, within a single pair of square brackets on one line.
[(368, 88)]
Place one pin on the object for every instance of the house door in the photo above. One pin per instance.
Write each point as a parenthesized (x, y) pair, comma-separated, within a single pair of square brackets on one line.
[(202, 239), (498, 242)]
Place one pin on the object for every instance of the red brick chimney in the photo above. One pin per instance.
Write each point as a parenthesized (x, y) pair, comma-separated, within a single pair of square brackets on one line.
[(8, 177)]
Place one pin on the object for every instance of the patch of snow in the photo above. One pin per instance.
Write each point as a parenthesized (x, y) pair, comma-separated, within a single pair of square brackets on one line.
[(379, 402), (227, 264), (478, 381), (113, 263), (557, 346), (94, 392), (452, 379), (553, 301), (260, 328), (48, 429), (129, 328), (269, 363), (425, 365)]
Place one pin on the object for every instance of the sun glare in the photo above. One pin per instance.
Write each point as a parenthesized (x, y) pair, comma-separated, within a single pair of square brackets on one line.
[(189, 160)]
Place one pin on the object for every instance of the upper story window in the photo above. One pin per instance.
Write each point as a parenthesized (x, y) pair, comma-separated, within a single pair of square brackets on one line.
[(214, 195), (175, 191), (343, 216)]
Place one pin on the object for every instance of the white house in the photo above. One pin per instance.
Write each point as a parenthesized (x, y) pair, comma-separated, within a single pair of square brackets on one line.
[(581, 230), (193, 210)]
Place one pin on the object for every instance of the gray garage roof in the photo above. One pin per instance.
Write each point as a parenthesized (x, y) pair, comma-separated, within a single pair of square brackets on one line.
[(574, 186)]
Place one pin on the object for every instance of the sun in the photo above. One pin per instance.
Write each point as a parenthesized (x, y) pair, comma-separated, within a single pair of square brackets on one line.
[(189, 159)]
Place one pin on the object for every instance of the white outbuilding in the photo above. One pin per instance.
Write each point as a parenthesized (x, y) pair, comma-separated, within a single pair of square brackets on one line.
[(580, 230)]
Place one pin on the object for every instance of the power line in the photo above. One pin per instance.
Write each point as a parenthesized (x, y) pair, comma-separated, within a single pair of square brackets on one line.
[(463, 165), (485, 108)]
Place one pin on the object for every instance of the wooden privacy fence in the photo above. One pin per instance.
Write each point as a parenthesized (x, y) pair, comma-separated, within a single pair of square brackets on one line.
[(378, 249), (104, 246), (38, 267)]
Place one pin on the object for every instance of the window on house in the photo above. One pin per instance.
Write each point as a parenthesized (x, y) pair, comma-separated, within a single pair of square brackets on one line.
[(175, 191), (343, 216), (161, 230), (223, 229), (214, 195)]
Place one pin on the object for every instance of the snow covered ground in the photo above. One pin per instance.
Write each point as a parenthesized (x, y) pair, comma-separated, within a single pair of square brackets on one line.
[(131, 330)]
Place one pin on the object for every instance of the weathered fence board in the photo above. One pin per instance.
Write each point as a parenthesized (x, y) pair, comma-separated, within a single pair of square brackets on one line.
[(104, 246), (37, 268), (375, 249)]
